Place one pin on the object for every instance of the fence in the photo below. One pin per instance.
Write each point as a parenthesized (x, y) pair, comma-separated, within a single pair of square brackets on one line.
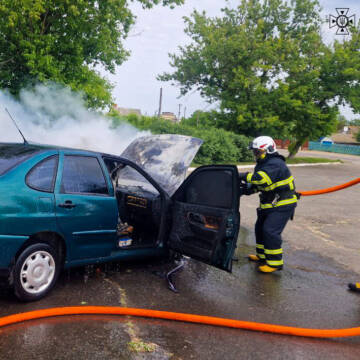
[(336, 148), (284, 144)]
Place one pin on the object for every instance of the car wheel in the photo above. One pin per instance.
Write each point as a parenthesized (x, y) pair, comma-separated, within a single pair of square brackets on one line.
[(35, 272)]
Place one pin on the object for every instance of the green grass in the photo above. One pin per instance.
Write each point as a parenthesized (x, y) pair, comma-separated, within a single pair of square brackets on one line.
[(296, 160), (311, 160)]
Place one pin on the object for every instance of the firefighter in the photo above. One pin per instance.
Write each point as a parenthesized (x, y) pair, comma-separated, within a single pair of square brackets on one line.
[(278, 199)]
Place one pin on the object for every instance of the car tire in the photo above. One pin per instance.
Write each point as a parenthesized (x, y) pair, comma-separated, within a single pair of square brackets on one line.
[(35, 272)]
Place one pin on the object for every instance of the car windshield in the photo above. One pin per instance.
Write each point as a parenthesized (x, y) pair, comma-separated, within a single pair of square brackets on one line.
[(12, 155), (133, 180)]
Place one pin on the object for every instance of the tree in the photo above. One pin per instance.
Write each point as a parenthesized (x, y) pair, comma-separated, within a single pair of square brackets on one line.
[(341, 122), (267, 65), (355, 122), (63, 41), (202, 119)]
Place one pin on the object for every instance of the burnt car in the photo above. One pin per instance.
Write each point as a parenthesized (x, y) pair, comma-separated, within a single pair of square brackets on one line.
[(62, 208)]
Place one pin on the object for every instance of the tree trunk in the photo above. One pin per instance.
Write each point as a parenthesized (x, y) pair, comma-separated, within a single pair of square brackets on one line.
[(294, 147)]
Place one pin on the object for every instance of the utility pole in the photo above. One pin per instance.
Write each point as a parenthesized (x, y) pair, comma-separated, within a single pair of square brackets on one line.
[(184, 112), (197, 118), (179, 113), (160, 103)]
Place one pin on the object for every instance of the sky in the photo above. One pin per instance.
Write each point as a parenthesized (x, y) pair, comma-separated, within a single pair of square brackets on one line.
[(160, 31)]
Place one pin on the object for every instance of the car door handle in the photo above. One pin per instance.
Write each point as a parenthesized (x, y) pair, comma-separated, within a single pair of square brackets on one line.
[(209, 222), (67, 204), (196, 218)]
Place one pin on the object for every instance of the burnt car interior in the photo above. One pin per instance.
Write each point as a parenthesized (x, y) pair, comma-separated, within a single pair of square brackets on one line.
[(139, 205)]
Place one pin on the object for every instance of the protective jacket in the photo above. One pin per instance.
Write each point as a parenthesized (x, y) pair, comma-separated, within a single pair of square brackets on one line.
[(273, 179)]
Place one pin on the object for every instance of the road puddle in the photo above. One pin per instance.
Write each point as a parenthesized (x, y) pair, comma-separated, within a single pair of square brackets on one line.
[(245, 245)]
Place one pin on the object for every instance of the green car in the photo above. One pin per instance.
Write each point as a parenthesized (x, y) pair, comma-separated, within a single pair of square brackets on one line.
[(61, 208)]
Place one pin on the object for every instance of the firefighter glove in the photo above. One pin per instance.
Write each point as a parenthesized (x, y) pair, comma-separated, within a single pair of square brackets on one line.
[(247, 189), (242, 176)]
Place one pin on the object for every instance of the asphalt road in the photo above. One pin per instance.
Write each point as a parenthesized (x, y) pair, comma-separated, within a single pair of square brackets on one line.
[(322, 254)]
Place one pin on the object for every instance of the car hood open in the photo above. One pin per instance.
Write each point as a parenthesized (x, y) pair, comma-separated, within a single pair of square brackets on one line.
[(165, 158)]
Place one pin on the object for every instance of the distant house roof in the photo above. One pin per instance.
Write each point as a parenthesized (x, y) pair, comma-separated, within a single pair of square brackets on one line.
[(346, 137), (353, 129)]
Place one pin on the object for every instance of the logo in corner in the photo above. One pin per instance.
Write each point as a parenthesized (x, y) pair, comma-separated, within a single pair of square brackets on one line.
[(342, 21)]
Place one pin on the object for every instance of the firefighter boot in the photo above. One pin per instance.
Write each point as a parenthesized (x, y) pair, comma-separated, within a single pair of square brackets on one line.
[(268, 269), (354, 287), (255, 258)]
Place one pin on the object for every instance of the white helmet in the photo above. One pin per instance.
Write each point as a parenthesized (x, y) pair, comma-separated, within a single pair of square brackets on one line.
[(263, 143)]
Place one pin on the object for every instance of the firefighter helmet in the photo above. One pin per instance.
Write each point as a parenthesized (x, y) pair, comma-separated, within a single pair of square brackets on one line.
[(263, 143)]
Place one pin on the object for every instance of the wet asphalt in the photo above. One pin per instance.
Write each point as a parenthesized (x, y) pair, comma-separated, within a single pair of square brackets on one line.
[(322, 254)]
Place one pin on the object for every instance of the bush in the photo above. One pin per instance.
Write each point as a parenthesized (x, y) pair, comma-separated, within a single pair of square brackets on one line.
[(219, 147), (358, 137)]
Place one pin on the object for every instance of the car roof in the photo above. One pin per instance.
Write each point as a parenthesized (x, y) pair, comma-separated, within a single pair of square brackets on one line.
[(44, 147)]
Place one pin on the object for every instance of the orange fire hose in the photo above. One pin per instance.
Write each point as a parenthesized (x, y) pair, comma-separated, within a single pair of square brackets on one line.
[(208, 320), (331, 189)]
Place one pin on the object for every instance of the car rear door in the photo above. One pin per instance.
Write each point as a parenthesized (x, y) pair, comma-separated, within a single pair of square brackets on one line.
[(205, 216), (86, 208)]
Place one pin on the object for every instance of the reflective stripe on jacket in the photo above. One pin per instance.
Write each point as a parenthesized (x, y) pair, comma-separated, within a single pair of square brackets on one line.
[(273, 179)]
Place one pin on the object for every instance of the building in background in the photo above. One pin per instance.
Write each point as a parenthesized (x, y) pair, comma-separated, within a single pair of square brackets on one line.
[(169, 116), (347, 135), (126, 111)]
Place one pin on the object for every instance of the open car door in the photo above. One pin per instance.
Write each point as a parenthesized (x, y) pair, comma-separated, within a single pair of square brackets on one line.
[(205, 216)]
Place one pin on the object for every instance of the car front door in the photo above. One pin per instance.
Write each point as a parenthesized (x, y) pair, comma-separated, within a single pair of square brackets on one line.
[(205, 216), (86, 208)]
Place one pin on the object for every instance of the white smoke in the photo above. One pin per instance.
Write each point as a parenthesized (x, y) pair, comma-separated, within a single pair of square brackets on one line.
[(55, 115)]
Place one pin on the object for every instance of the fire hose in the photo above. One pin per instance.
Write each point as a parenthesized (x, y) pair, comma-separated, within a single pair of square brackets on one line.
[(331, 189), (191, 318)]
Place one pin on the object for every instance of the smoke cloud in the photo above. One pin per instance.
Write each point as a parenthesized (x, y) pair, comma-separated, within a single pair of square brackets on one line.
[(55, 115)]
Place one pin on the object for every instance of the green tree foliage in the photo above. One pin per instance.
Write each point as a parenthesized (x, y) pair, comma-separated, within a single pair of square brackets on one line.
[(62, 41), (267, 65), (203, 119), (219, 147), (341, 122), (358, 136)]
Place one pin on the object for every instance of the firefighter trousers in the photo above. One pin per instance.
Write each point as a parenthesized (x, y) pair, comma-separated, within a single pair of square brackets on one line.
[(268, 228)]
